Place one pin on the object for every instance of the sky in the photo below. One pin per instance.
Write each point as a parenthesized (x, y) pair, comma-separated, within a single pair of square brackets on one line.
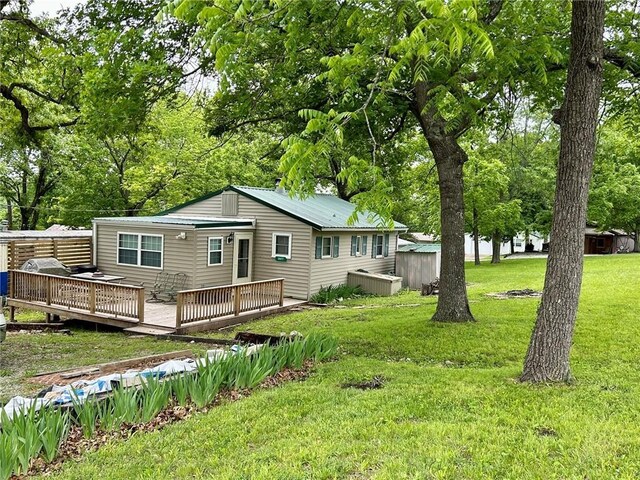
[(39, 7)]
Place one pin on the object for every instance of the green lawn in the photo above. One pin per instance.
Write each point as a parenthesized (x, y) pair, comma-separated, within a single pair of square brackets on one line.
[(451, 407)]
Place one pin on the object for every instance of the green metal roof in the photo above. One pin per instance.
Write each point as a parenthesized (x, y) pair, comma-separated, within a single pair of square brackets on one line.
[(174, 220), (420, 248), (321, 211)]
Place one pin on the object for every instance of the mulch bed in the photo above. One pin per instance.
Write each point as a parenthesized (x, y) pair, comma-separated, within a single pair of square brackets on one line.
[(77, 445)]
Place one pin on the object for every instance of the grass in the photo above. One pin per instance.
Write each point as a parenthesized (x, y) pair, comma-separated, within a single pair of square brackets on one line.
[(26, 315), (450, 408), (23, 355)]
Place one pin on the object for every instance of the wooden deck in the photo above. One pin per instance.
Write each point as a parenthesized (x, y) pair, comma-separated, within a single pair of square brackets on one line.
[(126, 307), (162, 316)]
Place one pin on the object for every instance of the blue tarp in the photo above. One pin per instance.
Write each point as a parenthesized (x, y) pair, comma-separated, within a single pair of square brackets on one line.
[(4, 283)]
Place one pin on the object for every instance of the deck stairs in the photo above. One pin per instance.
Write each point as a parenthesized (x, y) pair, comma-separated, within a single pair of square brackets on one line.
[(149, 330)]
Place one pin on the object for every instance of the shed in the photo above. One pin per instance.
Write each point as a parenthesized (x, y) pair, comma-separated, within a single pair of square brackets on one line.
[(608, 241), (418, 264)]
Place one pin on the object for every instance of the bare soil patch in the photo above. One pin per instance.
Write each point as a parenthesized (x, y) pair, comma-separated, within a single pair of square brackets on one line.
[(525, 293)]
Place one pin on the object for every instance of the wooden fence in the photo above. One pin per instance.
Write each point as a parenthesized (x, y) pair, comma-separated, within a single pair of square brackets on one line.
[(70, 251), (59, 295), (215, 302)]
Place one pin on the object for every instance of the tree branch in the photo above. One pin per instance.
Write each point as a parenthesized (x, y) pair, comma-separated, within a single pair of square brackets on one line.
[(28, 23), (8, 94), (614, 57), (495, 7), (37, 93)]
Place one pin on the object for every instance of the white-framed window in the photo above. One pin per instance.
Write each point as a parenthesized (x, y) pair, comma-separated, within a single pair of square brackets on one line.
[(326, 247), (281, 245), (214, 252), (378, 245), (140, 249), (356, 246)]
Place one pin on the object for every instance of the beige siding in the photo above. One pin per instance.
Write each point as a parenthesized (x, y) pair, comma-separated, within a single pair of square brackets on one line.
[(177, 254), (268, 221), (214, 275), (211, 207), (333, 271), (375, 283)]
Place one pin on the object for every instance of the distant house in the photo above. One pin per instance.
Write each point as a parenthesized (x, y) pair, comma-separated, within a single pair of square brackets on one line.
[(417, 237), (243, 234), (608, 241), (519, 244)]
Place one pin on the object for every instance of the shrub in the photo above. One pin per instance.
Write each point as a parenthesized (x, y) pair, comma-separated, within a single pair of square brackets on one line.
[(333, 294), (121, 407), (154, 397), (26, 436), (53, 427), (85, 415)]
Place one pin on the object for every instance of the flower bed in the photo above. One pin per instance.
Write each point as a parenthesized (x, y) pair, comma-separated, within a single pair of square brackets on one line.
[(38, 435)]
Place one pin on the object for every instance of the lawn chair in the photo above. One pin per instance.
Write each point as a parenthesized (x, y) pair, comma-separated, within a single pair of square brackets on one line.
[(166, 287)]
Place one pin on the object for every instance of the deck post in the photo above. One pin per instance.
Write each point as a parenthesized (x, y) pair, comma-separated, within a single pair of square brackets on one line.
[(12, 286), (12, 283), (281, 282), (141, 305), (236, 300), (179, 306), (92, 298), (48, 287)]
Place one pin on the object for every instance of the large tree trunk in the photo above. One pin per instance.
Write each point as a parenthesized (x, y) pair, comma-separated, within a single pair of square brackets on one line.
[(636, 237), (496, 240), (547, 359), (452, 298), (476, 239)]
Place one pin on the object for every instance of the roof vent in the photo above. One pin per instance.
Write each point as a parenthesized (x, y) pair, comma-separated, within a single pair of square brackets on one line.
[(229, 206), (279, 187)]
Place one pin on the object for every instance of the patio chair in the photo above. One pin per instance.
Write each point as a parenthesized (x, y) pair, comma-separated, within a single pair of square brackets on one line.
[(166, 287)]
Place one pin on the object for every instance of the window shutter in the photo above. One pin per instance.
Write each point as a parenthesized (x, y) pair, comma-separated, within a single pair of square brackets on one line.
[(318, 247), (336, 247), (373, 246), (354, 239), (386, 245), (364, 245)]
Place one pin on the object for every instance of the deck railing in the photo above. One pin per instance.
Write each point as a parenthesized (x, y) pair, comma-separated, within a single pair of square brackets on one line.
[(214, 302), (86, 296)]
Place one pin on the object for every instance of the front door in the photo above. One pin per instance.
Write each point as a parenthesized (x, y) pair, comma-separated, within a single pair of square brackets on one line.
[(242, 254)]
